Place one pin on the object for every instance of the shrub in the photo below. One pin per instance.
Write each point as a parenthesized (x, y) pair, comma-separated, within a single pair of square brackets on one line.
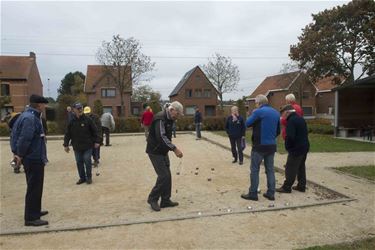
[(52, 128), (185, 123), (4, 129), (131, 124), (214, 123), (320, 126)]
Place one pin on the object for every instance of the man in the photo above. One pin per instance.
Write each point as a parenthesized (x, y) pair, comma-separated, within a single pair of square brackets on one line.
[(235, 128), (29, 148), (69, 114), (98, 125), (159, 143), (297, 145), (82, 133), (146, 120), (108, 124), (198, 123), (290, 99), (266, 127)]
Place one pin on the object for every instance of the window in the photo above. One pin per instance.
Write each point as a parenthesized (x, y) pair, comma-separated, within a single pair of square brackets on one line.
[(198, 93), (207, 93), (209, 110), (189, 93), (305, 94), (108, 92), (5, 91), (190, 110), (307, 111), (135, 110), (107, 109)]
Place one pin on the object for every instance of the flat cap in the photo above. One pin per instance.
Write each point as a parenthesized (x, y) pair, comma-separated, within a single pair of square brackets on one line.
[(37, 99), (77, 105)]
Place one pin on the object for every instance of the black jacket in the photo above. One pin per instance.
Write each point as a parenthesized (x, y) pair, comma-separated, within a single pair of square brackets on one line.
[(235, 129), (296, 141), (82, 132), (159, 140)]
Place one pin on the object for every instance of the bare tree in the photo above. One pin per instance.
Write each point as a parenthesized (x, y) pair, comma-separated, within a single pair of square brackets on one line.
[(124, 63), (223, 74)]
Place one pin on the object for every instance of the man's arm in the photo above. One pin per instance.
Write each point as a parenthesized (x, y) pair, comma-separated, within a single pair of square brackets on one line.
[(252, 119), (26, 135), (161, 136)]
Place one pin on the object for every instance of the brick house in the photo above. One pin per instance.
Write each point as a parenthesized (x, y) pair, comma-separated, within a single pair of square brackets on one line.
[(19, 78), (99, 85), (195, 90), (317, 99)]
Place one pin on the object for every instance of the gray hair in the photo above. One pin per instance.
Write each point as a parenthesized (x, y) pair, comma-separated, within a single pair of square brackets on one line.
[(176, 106), (234, 108), (261, 99), (290, 98)]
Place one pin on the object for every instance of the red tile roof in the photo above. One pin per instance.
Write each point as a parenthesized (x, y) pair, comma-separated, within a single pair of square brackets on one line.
[(325, 84), (15, 67), (94, 74)]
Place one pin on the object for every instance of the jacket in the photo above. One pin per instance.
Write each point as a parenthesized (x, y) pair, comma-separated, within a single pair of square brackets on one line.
[(197, 117), (147, 117), (28, 138), (159, 140), (283, 121), (82, 132), (95, 118), (235, 129), (108, 121), (265, 121), (296, 141)]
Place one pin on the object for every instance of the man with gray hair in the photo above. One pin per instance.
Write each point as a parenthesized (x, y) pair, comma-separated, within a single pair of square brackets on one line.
[(265, 121), (159, 143), (291, 100)]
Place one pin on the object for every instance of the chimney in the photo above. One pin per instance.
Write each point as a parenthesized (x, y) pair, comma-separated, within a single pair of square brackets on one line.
[(32, 54)]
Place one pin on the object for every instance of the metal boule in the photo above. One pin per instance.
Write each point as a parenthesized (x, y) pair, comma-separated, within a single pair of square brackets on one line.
[(271, 205), (212, 169), (178, 173), (209, 179), (249, 208)]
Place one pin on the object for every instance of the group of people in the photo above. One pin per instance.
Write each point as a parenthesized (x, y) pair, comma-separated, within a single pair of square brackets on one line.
[(28, 145)]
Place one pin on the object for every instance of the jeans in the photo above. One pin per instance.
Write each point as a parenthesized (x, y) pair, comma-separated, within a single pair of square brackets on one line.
[(96, 154), (163, 185), (256, 160), (83, 159), (198, 130)]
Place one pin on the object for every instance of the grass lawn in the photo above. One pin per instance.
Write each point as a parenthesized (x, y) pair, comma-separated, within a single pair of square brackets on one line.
[(360, 244), (367, 172), (321, 143)]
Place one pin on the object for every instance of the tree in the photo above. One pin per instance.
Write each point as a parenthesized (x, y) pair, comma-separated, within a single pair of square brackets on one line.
[(72, 84), (241, 106), (289, 67), (4, 100), (337, 41), (223, 74), (144, 93), (98, 107), (122, 57)]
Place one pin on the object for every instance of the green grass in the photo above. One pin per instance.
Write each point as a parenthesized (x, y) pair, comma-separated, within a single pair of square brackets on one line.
[(367, 172), (356, 245), (321, 143)]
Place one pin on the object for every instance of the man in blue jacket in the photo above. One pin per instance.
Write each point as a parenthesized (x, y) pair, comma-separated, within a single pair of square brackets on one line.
[(198, 123), (297, 144), (29, 148), (265, 121)]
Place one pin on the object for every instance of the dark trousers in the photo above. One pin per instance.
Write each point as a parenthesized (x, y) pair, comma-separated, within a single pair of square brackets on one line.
[(34, 178), (295, 166), (105, 131), (163, 183), (83, 159), (235, 145), (96, 154)]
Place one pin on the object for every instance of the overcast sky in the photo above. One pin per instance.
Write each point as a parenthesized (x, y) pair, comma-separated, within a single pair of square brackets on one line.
[(177, 35)]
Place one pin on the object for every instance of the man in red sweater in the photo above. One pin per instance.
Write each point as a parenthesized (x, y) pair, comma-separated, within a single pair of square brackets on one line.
[(146, 120), (290, 99)]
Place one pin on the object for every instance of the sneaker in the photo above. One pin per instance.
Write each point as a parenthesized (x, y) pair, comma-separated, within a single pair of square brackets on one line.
[(108, 145), (36, 223), (241, 163), (154, 205), (282, 190), (271, 198), (80, 181), (299, 189), (168, 203), (89, 181), (249, 197), (234, 161)]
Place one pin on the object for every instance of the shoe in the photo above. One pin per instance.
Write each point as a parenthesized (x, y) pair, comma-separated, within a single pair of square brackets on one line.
[(168, 203), (36, 223), (42, 213), (108, 145), (249, 197), (241, 163), (80, 181), (17, 171), (282, 190), (154, 205), (271, 198), (234, 161), (89, 181), (299, 189)]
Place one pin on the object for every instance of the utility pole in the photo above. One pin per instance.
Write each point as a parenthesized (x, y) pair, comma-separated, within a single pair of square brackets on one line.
[(48, 89)]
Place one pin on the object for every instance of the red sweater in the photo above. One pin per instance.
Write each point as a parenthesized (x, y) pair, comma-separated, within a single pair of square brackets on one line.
[(147, 117), (299, 112)]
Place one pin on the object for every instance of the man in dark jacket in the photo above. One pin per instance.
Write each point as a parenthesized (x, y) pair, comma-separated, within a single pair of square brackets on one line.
[(297, 145), (198, 123), (82, 132), (29, 148), (159, 143), (266, 127)]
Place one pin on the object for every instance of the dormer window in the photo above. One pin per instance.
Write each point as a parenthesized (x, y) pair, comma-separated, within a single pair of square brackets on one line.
[(108, 92)]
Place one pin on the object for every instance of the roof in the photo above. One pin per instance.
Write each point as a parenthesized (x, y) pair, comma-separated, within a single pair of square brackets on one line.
[(16, 67), (95, 73), (182, 82), (367, 82), (326, 84), (275, 83)]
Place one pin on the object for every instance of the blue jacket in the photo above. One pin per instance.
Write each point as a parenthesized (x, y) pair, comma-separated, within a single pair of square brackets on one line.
[(296, 141), (28, 138), (235, 129), (266, 127), (197, 117)]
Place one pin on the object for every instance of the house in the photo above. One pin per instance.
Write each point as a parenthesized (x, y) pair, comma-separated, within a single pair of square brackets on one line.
[(316, 99), (195, 90), (355, 108), (19, 78), (100, 85)]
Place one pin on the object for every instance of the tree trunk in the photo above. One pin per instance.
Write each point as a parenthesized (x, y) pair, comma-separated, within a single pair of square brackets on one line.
[(221, 101), (122, 105)]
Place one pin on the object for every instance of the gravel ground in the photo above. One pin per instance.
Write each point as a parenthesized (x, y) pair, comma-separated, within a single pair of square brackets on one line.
[(118, 196)]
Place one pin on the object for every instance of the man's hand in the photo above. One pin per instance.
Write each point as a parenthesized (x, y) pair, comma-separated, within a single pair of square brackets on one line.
[(178, 152), (96, 145), (66, 149), (18, 159)]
